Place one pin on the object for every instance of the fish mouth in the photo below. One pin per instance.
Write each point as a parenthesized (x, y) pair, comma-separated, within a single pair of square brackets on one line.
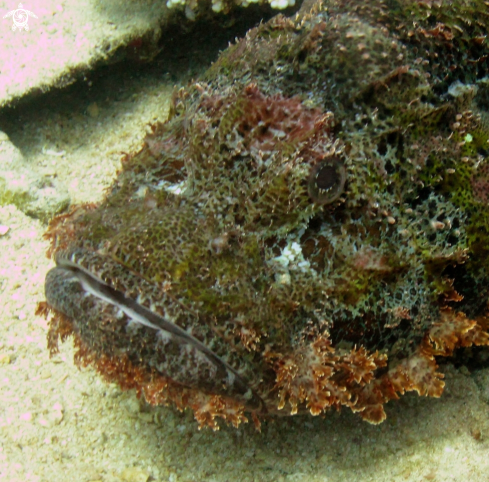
[(69, 284)]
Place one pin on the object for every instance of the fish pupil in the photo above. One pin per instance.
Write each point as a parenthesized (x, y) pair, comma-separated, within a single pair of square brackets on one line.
[(326, 178)]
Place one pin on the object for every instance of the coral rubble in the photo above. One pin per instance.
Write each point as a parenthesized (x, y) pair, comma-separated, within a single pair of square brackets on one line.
[(191, 6), (308, 230)]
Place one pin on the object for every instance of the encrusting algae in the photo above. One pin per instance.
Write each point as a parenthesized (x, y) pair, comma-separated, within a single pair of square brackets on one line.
[(309, 229)]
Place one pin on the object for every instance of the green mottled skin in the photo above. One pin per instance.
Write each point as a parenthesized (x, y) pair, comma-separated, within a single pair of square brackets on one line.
[(398, 93)]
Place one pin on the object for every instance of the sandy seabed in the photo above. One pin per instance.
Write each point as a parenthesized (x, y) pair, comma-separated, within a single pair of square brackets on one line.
[(60, 424)]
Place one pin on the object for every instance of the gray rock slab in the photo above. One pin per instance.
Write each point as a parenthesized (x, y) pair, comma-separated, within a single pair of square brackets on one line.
[(66, 38)]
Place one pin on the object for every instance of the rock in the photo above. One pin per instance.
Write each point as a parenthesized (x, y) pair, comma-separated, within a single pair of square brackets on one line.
[(62, 42), (36, 195)]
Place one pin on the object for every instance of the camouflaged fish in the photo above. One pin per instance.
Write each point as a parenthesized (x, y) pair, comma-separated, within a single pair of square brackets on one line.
[(309, 229)]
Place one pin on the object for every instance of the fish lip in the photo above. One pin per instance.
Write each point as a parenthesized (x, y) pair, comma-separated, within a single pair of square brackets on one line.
[(91, 283)]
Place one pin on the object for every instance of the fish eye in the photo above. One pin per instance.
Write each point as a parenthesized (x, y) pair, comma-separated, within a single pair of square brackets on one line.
[(327, 180)]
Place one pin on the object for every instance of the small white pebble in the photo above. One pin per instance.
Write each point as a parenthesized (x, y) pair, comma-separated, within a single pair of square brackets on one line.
[(4, 359), (55, 418), (134, 474), (52, 152)]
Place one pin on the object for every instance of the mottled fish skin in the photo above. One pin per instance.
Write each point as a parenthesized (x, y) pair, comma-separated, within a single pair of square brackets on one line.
[(310, 228)]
